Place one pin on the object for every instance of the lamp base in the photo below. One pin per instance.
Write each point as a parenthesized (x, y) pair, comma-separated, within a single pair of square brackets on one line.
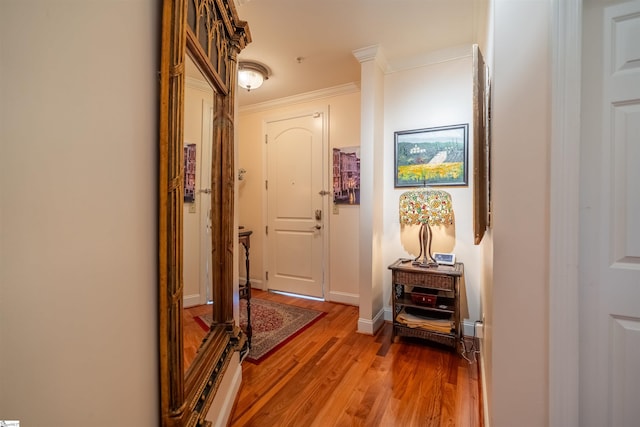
[(425, 259), (425, 262)]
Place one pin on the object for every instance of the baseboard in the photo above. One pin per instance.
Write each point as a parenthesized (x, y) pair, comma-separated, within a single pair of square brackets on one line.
[(191, 300), (222, 405), (344, 298), (255, 284), (483, 386), (370, 327)]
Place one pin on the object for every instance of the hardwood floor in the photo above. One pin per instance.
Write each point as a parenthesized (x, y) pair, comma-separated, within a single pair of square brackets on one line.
[(330, 375), (193, 333)]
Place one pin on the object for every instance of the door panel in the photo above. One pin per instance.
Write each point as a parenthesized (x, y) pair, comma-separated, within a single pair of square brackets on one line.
[(295, 207), (204, 194), (610, 237)]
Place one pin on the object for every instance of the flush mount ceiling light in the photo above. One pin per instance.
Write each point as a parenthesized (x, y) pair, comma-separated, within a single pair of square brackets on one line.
[(251, 75)]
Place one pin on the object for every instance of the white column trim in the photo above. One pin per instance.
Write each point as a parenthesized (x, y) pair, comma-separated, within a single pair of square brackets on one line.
[(564, 213), (370, 327), (372, 53)]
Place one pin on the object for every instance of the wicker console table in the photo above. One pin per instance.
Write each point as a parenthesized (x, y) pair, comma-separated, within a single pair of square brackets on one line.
[(426, 302)]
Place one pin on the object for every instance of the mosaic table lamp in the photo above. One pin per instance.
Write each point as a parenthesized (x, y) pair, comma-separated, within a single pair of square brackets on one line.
[(426, 207)]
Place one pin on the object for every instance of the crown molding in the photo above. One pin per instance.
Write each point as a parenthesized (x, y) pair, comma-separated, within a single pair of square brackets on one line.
[(303, 97), (452, 53), (372, 53), (198, 84)]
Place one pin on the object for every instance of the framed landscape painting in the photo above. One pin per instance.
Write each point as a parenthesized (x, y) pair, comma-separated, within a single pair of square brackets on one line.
[(434, 157)]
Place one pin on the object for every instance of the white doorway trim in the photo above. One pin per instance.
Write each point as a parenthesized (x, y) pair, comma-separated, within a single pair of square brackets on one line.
[(564, 213)]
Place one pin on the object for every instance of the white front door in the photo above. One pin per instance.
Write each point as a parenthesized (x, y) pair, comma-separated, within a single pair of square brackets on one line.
[(296, 206), (610, 229)]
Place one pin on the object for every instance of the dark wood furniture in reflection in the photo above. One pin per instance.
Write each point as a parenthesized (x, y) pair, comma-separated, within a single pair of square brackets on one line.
[(245, 288)]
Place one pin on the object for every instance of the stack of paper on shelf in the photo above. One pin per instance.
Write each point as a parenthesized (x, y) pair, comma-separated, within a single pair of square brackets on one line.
[(413, 321)]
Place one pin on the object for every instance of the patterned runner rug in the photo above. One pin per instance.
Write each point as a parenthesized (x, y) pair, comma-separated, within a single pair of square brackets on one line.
[(274, 324)]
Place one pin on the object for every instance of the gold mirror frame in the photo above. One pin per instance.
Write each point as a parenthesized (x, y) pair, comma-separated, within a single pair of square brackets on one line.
[(212, 33)]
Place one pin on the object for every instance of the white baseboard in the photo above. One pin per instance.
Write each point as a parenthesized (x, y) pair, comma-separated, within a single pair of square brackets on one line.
[(344, 298), (255, 284), (191, 300), (370, 327), (222, 405), (483, 386)]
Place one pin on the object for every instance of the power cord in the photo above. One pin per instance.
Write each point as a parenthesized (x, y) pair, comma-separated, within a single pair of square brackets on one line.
[(473, 351)]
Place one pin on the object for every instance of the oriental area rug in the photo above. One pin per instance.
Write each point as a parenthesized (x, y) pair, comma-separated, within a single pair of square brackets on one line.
[(274, 324)]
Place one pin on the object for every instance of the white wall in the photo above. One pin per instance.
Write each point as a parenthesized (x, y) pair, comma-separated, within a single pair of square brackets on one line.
[(78, 251), (371, 307), (516, 325), (344, 131), (433, 95), (484, 14), (196, 94)]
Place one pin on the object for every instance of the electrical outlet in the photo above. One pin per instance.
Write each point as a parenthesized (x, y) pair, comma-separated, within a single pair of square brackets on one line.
[(336, 210), (479, 329)]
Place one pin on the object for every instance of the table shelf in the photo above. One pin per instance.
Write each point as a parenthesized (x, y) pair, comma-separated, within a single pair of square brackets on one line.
[(441, 283)]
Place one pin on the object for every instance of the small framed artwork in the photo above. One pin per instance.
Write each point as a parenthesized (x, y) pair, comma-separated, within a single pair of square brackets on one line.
[(346, 175), (431, 157), (190, 173)]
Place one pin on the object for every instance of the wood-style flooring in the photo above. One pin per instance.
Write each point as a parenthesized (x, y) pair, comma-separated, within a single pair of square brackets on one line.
[(193, 333), (330, 375)]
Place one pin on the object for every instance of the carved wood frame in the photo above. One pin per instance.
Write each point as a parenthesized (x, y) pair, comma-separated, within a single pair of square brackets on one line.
[(212, 33), (481, 148)]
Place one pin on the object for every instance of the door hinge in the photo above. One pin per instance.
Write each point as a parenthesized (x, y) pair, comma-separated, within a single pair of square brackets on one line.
[(266, 184), (266, 229), (266, 139), (266, 275)]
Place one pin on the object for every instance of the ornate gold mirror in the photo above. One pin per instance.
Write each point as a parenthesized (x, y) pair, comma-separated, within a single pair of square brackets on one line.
[(211, 33)]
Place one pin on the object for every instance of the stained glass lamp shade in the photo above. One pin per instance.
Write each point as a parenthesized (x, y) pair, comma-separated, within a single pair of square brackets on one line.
[(426, 208)]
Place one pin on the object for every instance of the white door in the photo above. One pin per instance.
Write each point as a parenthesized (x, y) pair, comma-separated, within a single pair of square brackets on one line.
[(205, 204), (296, 206), (610, 231)]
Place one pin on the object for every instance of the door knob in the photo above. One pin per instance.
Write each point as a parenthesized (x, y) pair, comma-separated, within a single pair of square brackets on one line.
[(317, 227)]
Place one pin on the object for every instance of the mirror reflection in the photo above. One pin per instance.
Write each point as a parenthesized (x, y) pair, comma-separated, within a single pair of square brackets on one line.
[(196, 276), (211, 35)]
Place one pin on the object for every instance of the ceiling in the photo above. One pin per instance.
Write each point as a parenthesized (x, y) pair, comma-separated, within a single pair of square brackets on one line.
[(308, 44)]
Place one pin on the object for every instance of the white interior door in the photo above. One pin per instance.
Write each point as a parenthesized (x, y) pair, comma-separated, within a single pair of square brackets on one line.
[(296, 206), (610, 233), (205, 203)]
